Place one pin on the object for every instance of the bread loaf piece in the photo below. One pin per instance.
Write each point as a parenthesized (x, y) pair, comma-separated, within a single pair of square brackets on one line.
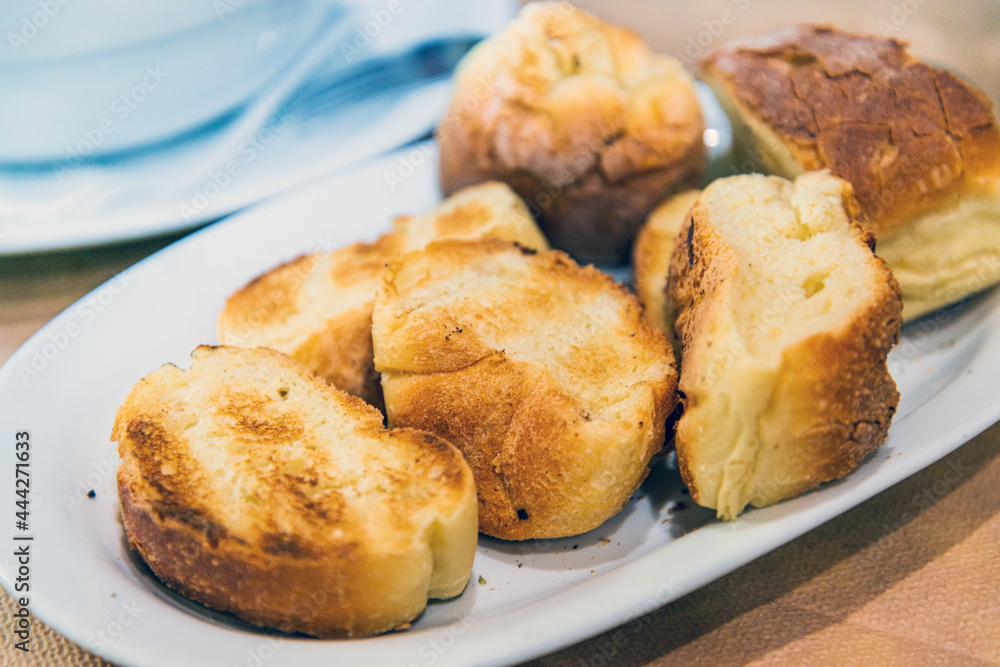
[(786, 317), (317, 308), (920, 146), (651, 259), (252, 486), (544, 374), (581, 119)]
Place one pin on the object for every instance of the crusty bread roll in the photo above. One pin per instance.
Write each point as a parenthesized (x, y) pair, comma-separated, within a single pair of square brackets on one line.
[(317, 308), (252, 486), (544, 374), (920, 145), (786, 317), (651, 259), (581, 119)]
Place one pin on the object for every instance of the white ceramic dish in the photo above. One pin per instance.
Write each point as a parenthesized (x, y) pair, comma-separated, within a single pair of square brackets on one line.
[(64, 385), (187, 186), (97, 76), (181, 185)]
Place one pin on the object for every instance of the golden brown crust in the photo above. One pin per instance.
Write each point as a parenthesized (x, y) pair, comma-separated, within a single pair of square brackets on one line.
[(651, 259), (269, 311), (341, 353), (581, 119), (822, 403), (909, 137), (252, 486), (544, 374), (328, 595), (317, 308)]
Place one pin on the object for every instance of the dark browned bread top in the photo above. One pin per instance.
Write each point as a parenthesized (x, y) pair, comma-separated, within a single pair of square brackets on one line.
[(906, 135)]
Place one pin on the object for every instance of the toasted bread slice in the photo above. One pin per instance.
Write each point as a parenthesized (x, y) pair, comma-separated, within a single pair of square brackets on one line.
[(317, 308), (545, 374), (920, 146), (251, 485), (786, 317), (651, 259)]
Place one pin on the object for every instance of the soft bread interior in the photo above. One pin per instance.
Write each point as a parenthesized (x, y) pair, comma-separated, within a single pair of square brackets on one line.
[(249, 441), (947, 254), (800, 270), (799, 250)]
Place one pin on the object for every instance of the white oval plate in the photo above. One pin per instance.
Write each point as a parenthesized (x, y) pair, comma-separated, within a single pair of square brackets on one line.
[(66, 382)]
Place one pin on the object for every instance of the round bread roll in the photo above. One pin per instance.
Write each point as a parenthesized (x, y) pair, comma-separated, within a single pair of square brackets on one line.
[(581, 119), (544, 374), (786, 317), (252, 486)]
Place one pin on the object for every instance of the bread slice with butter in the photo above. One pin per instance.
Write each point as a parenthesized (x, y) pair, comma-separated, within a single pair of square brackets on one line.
[(252, 486), (543, 373), (785, 317), (317, 308)]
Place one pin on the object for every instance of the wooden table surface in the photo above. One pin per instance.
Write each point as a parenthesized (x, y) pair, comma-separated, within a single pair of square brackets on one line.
[(910, 577)]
